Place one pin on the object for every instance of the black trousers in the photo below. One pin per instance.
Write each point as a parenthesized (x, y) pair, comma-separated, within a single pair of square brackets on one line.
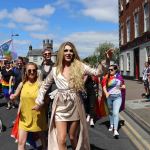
[(90, 104)]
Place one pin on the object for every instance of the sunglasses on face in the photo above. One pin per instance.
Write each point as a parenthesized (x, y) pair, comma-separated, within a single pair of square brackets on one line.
[(31, 71), (45, 54), (111, 69), (68, 50)]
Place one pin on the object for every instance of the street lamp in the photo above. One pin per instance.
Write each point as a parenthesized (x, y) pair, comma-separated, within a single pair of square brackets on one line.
[(12, 35)]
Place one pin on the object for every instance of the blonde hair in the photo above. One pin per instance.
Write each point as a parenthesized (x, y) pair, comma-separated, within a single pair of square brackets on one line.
[(76, 70)]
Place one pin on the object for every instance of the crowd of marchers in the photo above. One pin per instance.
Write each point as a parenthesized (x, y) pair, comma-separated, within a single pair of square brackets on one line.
[(62, 98)]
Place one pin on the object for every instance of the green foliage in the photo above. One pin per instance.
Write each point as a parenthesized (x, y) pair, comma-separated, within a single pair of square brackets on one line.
[(101, 49), (92, 60), (99, 54)]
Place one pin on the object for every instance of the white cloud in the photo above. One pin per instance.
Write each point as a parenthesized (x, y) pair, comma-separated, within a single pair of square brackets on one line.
[(41, 36), (21, 42), (62, 3), (3, 14), (35, 27), (47, 10), (101, 10), (23, 15), (29, 17), (86, 42), (11, 25)]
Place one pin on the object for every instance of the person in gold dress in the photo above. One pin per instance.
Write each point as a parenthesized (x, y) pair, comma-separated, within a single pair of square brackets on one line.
[(30, 120), (68, 113)]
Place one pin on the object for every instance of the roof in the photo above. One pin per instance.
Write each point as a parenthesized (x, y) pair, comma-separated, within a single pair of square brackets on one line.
[(35, 52)]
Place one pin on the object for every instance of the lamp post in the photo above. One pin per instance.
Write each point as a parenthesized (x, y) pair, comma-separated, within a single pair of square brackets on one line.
[(12, 35)]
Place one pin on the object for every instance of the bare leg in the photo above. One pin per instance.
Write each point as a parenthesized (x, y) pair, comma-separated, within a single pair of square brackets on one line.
[(73, 132), (22, 139), (61, 127)]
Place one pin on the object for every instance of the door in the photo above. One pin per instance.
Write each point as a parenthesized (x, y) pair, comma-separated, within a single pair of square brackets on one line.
[(136, 64)]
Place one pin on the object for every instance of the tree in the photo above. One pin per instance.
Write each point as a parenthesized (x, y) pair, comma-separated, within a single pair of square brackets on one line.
[(92, 60), (101, 49), (99, 54)]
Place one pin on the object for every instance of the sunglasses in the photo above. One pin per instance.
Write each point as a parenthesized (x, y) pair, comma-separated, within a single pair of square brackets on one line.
[(45, 54), (111, 69), (31, 71), (68, 50)]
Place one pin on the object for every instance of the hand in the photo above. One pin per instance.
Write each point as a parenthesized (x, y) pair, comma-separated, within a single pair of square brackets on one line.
[(123, 86), (36, 107), (107, 95), (109, 53), (12, 96)]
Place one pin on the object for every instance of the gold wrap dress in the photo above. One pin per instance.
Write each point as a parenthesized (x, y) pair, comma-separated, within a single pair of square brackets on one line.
[(67, 106)]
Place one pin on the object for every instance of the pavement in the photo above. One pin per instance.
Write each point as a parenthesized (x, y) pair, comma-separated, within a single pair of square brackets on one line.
[(135, 103), (136, 115)]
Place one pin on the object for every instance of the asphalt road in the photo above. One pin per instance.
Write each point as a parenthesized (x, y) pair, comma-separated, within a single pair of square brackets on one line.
[(100, 138)]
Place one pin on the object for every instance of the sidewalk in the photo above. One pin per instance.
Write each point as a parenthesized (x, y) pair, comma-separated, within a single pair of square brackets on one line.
[(134, 89), (137, 106)]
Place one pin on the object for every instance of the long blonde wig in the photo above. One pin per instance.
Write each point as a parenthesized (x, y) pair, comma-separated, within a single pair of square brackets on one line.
[(76, 70)]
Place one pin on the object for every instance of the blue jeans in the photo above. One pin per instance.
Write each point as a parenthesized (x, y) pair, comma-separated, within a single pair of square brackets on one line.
[(114, 102)]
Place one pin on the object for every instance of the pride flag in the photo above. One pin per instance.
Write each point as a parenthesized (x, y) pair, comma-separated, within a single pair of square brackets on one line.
[(101, 103), (5, 46)]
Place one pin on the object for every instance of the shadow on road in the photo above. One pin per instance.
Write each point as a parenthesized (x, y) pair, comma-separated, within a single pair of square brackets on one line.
[(93, 147), (3, 104), (107, 124)]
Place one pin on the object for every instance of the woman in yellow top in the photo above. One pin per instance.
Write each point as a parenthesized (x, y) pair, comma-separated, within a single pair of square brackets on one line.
[(30, 120)]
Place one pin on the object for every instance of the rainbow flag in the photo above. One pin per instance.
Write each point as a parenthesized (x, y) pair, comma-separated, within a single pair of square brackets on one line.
[(101, 103)]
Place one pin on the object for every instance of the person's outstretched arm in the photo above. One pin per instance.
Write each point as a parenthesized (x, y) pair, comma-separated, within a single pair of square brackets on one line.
[(43, 89)]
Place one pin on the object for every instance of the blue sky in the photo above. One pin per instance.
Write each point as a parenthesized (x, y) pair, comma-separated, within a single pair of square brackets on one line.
[(86, 23)]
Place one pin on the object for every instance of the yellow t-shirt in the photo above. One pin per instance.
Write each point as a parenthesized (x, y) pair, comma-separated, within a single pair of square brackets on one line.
[(31, 120)]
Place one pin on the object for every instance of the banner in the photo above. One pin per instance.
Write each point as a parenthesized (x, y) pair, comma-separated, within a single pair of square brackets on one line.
[(5, 46)]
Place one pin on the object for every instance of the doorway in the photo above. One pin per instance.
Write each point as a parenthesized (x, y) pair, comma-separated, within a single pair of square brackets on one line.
[(136, 64)]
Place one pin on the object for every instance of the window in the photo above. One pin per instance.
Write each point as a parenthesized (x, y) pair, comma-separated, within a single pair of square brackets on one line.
[(35, 59), (127, 1), (128, 30), (146, 17), (136, 25), (128, 61), (122, 35), (121, 62), (121, 5)]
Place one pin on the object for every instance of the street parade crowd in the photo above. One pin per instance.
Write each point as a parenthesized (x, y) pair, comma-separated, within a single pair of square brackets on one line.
[(62, 99)]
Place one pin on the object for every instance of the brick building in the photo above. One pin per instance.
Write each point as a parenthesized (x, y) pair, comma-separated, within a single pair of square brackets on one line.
[(134, 36)]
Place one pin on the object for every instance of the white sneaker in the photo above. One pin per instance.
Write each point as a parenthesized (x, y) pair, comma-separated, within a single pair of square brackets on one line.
[(88, 118), (116, 134), (92, 123), (111, 128)]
